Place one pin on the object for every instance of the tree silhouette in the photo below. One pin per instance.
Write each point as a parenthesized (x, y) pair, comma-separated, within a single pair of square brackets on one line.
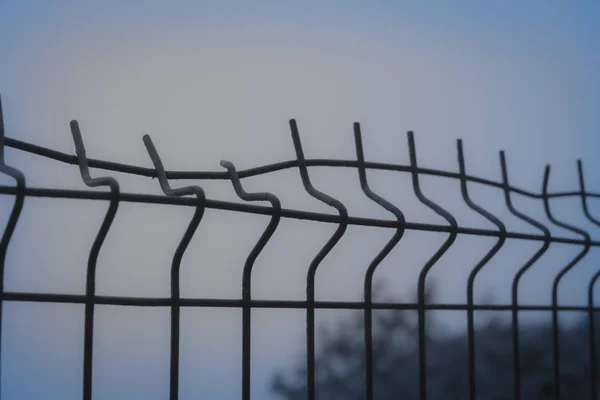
[(340, 361)]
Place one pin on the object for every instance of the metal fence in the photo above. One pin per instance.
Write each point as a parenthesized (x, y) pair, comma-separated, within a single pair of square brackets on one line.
[(175, 196)]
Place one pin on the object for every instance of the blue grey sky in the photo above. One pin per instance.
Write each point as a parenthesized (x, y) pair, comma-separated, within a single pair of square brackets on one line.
[(219, 80)]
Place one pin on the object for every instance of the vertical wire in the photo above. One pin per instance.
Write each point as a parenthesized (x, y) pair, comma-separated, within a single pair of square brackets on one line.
[(11, 224), (175, 308), (593, 280), (476, 269), (557, 279), (90, 291), (518, 275), (423, 275), (368, 289), (177, 257), (247, 272), (312, 270)]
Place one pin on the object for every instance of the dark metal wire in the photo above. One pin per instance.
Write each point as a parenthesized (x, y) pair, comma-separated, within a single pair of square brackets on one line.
[(247, 273), (266, 169), (312, 269), (515, 285), (593, 280), (275, 304), (342, 220), (376, 261), (471, 280), (176, 263), (285, 213), (423, 275), (90, 291), (557, 279), (12, 220)]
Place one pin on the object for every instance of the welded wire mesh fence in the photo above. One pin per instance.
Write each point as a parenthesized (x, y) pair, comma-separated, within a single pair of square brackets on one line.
[(275, 211)]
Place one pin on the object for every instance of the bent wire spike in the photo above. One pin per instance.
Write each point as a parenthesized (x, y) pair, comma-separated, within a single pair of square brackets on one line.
[(176, 263), (593, 280), (438, 254), (519, 274), (247, 272), (90, 291), (312, 270), (12, 220), (376, 261), (561, 274), (471, 280)]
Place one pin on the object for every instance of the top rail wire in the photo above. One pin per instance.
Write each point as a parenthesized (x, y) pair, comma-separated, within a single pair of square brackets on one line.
[(286, 213)]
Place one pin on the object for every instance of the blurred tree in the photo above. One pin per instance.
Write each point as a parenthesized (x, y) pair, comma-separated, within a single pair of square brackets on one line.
[(340, 361)]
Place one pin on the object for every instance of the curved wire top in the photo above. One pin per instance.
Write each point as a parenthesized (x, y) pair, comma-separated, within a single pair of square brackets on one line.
[(330, 201), (584, 195), (463, 187), (83, 163), (239, 190), (276, 216), (563, 225), (162, 175), (362, 174), (509, 203), (417, 188)]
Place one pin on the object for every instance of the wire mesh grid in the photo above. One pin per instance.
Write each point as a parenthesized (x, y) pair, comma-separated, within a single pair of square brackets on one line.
[(399, 225)]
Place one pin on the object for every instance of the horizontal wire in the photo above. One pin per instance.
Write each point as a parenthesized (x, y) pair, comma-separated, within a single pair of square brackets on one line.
[(289, 304), (285, 213), (150, 172)]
